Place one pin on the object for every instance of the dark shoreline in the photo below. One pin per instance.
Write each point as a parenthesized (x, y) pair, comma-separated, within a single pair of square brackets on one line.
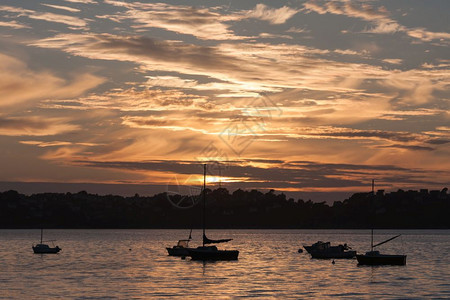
[(212, 228), (238, 210)]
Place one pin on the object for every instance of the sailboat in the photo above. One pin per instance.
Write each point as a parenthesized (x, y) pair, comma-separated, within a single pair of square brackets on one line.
[(211, 252), (375, 258), (42, 248)]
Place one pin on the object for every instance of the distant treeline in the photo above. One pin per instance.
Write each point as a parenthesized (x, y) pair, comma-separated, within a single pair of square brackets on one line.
[(240, 209)]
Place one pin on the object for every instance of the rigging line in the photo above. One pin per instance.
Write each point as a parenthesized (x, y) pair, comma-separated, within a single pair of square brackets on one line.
[(403, 245), (388, 240)]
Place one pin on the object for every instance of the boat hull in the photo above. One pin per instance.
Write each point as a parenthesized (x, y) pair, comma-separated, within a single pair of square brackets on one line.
[(334, 255), (44, 249), (198, 254), (382, 259), (178, 251)]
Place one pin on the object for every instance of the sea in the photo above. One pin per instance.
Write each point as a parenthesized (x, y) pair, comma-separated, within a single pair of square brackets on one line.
[(133, 264)]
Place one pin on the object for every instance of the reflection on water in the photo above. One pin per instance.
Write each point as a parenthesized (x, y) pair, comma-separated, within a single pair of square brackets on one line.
[(134, 264)]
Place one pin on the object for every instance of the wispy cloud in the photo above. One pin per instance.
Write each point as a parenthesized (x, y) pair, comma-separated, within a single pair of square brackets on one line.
[(73, 22), (266, 35), (236, 63), (393, 61), (34, 126), (20, 84), (57, 18), (297, 30), (243, 65), (379, 16), (67, 8), (13, 24), (82, 1), (427, 36), (272, 15), (203, 23), (132, 100), (44, 144), (287, 175)]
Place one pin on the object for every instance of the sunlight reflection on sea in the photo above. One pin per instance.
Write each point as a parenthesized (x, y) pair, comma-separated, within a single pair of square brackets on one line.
[(124, 264)]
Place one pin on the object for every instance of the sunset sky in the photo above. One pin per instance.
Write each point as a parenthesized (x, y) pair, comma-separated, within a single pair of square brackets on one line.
[(303, 97)]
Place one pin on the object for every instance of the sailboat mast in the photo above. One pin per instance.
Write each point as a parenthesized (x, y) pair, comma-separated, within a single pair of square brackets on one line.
[(373, 191), (371, 241), (42, 232), (204, 203)]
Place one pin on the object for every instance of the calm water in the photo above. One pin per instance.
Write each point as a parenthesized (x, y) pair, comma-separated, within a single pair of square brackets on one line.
[(97, 264)]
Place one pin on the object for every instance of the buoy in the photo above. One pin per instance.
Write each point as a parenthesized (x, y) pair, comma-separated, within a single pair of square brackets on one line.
[(333, 262), (129, 249), (300, 250)]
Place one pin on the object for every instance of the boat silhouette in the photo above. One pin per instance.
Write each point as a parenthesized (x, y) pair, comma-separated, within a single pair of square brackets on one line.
[(325, 250), (208, 251), (42, 248), (181, 248), (374, 258)]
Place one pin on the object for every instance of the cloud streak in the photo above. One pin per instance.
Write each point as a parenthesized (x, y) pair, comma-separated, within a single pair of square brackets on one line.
[(272, 15), (35, 126), (73, 22), (20, 84), (380, 17), (285, 175)]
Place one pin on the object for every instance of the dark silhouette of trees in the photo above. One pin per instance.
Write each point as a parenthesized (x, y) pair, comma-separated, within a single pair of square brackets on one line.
[(240, 209)]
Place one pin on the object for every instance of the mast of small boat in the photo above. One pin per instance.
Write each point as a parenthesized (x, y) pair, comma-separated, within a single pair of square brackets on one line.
[(204, 203), (371, 239), (42, 233)]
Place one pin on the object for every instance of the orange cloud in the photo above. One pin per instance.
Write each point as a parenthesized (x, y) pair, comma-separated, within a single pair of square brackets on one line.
[(20, 84), (272, 15), (34, 126), (75, 22)]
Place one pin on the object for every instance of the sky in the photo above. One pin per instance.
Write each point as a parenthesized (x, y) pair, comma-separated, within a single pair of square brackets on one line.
[(310, 98)]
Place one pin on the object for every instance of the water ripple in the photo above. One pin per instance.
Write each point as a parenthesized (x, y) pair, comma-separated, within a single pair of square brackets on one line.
[(98, 264)]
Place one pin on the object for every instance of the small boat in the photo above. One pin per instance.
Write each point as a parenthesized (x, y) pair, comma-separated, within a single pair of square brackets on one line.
[(180, 249), (326, 251), (375, 258), (42, 248), (210, 252)]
